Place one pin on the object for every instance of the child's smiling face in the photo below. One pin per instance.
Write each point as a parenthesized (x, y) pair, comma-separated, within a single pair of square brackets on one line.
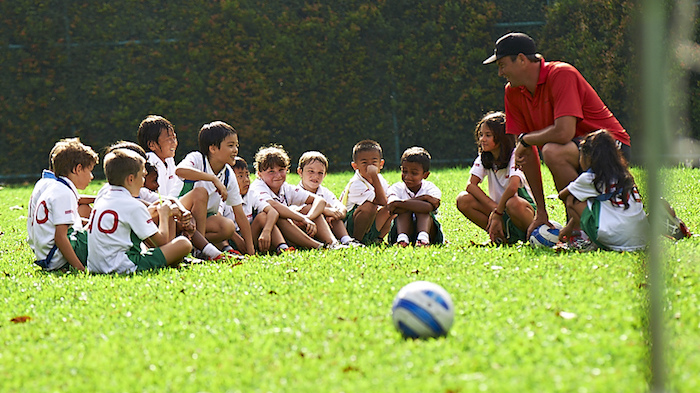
[(486, 139), (312, 175), (274, 177)]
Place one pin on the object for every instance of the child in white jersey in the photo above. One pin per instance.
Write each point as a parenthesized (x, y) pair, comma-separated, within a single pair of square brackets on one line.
[(312, 169), (209, 170), (54, 227), (119, 223), (156, 135), (604, 199), (415, 201), (272, 164), (262, 217), (508, 209), (368, 219)]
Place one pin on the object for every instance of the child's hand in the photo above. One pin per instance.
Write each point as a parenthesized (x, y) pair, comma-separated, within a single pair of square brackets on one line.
[(165, 209), (221, 189), (372, 170), (567, 231), (310, 226), (336, 214), (495, 229), (264, 241)]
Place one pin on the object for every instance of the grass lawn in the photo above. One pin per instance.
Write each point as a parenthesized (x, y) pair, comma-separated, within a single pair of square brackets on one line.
[(526, 319)]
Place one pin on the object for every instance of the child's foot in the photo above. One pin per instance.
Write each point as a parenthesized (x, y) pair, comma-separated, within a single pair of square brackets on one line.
[(335, 246), (280, 249), (233, 254), (674, 227), (576, 243), (402, 243), (354, 243), (422, 243)]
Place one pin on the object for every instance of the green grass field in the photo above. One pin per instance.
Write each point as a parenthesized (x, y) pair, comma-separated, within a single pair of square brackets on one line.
[(526, 320)]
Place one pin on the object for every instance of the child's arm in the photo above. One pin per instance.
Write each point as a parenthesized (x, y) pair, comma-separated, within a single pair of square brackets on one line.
[(61, 238), (244, 226), (414, 205), (317, 206), (495, 223), (379, 193), (193, 174), (265, 238), (166, 226), (474, 190), (285, 212)]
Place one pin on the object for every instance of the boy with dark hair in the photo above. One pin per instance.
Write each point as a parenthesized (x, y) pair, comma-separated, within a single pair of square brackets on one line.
[(118, 219), (364, 197), (156, 135), (54, 227), (208, 172), (415, 200)]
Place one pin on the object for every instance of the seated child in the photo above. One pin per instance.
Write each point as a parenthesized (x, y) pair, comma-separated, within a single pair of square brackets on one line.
[(119, 223), (54, 227), (156, 135), (415, 201), (312, 169), (149, 192), (507, 211), (208, 172), (272, 165), (368, 219), (262, 216), (604, 200)]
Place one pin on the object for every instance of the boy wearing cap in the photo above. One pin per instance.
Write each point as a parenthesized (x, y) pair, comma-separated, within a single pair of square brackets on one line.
[(549, 105)]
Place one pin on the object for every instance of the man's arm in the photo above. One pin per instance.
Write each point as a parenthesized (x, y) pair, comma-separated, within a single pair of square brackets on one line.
[(562, 132)]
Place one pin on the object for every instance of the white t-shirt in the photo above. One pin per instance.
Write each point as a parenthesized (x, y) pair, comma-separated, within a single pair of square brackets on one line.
[(619, 229), (327, 195), (359, 190), (168, 183), (195, 160), (399, 192), (498, 180), (148, 196), (118, 223), (52, 203), (288, 195), (252, 204)]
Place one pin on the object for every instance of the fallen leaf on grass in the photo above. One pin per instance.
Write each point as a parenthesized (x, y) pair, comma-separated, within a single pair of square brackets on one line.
[(21, 319), (272, 293), (351, 368), (415, 271), (566, 315)]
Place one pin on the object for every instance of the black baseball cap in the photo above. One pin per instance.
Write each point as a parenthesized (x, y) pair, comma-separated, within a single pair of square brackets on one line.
[(512, 44)]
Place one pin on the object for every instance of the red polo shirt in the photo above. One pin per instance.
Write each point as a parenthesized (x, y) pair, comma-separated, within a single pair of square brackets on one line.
[(561, 91)]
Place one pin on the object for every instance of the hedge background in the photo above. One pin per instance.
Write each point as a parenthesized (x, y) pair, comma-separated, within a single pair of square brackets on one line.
[(308, 75)]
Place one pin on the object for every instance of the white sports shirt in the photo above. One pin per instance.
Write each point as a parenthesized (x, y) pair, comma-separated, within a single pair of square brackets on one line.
[(118, 223), (359, 190), (252, 203), (53, 202), (168, 183), (327, 195), (619, 229), (399, 192), (195, 160), (498, 180), (289, 195)]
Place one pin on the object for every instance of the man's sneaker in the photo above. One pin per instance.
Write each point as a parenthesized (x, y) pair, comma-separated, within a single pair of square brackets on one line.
[(674, 227)]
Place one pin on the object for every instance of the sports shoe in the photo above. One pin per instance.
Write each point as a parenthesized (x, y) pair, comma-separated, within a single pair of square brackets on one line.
[(422, 243), (281, 251), (354, 243), (576, 243), (402, 244), (674, 227), (335, 246)]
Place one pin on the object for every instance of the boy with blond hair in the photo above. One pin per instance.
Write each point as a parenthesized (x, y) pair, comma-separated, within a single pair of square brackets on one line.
[(119, 223), (368, 218), (271, 165), (54, 227), (415, 201), (312, 169)]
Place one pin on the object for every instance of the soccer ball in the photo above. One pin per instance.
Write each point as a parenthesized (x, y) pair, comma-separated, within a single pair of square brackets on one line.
[(544, 236), (422, 309)]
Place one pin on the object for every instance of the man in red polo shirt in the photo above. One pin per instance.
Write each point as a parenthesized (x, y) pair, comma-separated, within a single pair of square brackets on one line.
[(549, 105)]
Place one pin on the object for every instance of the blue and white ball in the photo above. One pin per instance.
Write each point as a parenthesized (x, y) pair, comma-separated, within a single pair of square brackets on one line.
[(544, 236), (422, 309)]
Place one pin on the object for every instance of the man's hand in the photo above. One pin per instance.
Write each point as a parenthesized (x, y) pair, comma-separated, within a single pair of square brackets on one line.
[(522, 154)]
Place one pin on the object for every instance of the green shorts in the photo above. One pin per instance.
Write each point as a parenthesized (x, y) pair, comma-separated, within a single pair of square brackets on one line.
[(373, 233), (513, 233), (78, 240), (150, 259), (439, 236)]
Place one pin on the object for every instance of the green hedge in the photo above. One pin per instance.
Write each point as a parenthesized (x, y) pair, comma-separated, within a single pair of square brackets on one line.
[(308, 75)]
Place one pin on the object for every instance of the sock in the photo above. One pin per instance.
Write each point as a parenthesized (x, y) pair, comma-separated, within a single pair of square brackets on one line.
[(402, 238), (345, 239), (211, 251), (423, 236)]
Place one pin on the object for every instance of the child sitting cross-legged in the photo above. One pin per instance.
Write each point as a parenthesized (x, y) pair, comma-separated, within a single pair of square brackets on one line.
[(312, 169), (119, 223), (414, 201), (262, 217), (272, 164), (54, 227)]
